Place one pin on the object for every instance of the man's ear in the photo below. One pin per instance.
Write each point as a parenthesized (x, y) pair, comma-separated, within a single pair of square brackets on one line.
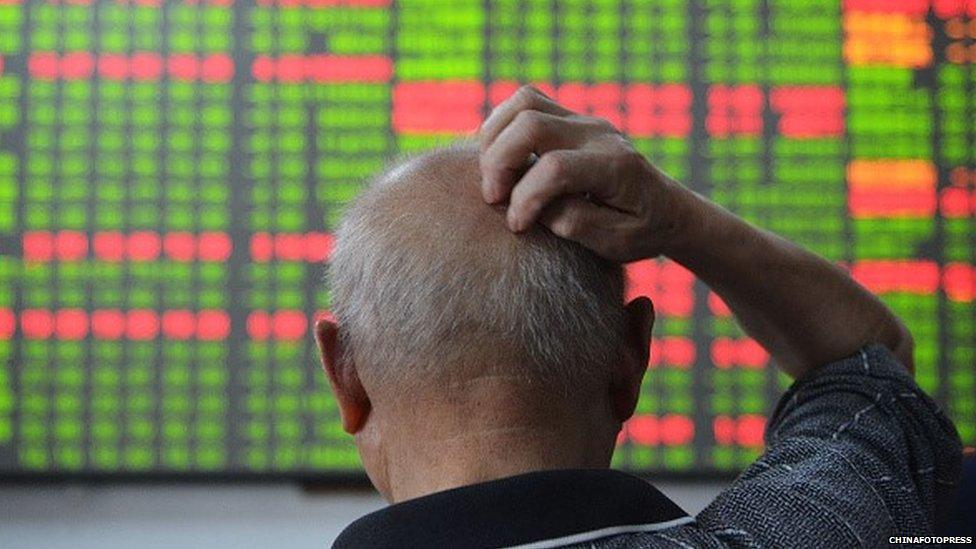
[(625, 388), (354, 403)]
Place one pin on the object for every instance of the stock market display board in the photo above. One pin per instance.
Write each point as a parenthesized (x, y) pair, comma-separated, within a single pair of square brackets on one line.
[(171, 172)]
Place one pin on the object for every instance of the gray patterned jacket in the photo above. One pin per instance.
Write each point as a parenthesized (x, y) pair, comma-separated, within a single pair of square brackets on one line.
[(855, 454)]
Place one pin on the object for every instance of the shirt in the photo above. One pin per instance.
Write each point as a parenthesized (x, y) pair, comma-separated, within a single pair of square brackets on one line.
[(855, 453)]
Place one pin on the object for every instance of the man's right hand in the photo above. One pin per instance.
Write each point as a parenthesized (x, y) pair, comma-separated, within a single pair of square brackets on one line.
[(588, 183), (591, 186)]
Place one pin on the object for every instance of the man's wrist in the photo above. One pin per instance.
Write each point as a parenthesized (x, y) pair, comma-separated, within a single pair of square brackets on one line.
[(688, 221)]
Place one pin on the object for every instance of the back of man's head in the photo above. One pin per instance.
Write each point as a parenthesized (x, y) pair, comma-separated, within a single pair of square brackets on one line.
[(430, 289)]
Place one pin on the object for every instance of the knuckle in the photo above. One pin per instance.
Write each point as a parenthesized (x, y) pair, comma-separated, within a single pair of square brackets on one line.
[(628, 161), (527, 95), (596, 124), (530, 122), (567, 227), (632, 154), (605, 125), (633, 159), (575, 225), (554, 164)]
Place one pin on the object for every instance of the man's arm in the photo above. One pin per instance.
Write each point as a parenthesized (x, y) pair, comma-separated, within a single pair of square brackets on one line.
[(805, 311), (590, 185), (856, 452)]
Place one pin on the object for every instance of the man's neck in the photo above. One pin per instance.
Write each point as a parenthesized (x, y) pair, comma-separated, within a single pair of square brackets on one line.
[(493, 433)]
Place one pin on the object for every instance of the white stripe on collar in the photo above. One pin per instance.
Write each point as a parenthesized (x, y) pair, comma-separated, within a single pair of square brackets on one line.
[(603, 533)]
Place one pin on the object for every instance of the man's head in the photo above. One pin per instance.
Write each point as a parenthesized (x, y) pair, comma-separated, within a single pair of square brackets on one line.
[(453, 333)]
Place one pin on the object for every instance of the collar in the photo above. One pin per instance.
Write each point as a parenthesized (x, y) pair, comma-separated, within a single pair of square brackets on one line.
[(534, 510)]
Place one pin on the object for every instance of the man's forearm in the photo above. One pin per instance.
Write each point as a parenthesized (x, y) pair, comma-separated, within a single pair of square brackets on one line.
[(804, 310)]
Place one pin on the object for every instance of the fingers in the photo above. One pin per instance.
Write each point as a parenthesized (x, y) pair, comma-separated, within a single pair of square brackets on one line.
[(530, 132), (524, 111), (575, 218), (526, 98), (557, 173), (574, 156)]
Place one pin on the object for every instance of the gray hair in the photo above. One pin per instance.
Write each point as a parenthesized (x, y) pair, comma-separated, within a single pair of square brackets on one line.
[(428, 286)]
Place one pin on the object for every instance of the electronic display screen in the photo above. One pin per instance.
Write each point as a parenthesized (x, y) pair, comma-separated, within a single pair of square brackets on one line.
[(171, 172)]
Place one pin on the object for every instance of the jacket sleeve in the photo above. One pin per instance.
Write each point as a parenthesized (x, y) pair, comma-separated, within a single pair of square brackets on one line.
[(855, 453)]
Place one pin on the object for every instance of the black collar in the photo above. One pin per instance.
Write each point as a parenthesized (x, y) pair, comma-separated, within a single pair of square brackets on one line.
[(542, 509)]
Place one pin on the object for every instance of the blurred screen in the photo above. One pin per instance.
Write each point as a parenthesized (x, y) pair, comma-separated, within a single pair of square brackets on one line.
[(171, 173)]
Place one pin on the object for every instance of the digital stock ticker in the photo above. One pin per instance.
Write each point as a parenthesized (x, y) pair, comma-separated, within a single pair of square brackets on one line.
[(171, 173)]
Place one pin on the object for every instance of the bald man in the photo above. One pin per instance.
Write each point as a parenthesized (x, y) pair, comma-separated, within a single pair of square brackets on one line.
[(484, 359)]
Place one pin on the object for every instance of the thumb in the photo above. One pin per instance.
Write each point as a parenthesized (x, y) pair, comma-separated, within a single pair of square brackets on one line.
[(574, 218)]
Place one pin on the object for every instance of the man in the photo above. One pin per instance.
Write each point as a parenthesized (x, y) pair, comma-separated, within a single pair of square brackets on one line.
[(484, 360)]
